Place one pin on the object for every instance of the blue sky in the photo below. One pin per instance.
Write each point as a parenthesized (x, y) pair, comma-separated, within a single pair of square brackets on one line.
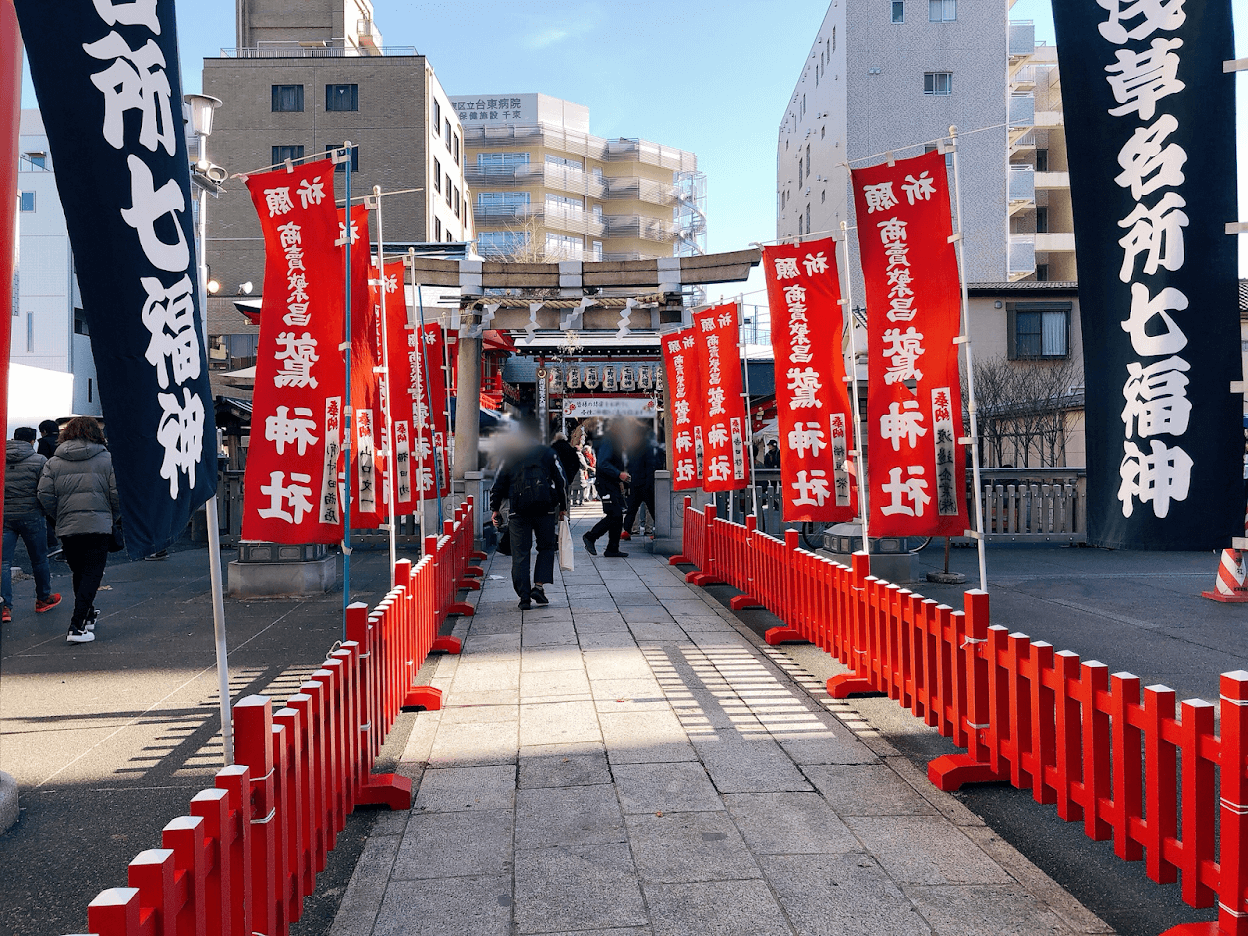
[(708, 76)]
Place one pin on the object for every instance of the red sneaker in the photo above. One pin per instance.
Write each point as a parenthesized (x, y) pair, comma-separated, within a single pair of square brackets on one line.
[(6, 616), (625, 535), (52, 602)]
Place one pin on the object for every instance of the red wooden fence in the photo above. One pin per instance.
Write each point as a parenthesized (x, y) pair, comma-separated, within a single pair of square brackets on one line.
[(248, 854), (1164, 787)]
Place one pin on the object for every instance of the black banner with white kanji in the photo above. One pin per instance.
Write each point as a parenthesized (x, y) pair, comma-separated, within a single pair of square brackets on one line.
[(1150, 123), (110, 94)]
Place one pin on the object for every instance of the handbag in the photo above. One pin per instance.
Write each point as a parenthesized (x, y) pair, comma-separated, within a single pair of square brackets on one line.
[(504, 543), (567, 558), (116, 539)]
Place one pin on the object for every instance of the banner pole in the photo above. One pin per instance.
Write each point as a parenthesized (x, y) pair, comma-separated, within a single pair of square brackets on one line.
[(419, 431), (349, 416), (749, 416), (965, 340), (385, 396), (210, 507), (446, 439), (860, 464)]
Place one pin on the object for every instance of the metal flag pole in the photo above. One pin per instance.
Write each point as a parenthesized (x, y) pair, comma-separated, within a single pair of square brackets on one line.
[(211, 512), (749, 415), (424, 357), (859, 460), (964, 339), (348, 415), (384, 370), (419, 430)]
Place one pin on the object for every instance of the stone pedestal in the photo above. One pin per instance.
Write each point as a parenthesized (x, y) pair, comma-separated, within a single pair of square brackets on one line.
[(276, 570), (889, 560)]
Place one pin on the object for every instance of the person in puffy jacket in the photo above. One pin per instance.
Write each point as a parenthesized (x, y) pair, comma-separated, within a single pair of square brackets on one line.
[(79, 491), (23, 517)]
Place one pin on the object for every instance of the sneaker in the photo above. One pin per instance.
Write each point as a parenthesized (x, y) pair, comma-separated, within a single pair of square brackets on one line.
[(163, 554), (589, 545), (615, 555), (52, 602), (6, 616), (79, 636), (525, 605), (539, 596), (92, 616), (625, 535)]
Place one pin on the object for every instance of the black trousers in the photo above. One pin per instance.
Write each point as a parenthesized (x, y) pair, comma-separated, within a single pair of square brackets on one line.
[(87, 554), (636, 497), (524, 531), (612, 521)]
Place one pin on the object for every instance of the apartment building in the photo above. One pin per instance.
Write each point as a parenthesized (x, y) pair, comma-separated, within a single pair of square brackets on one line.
[(892, 77), (1042, 229), (49, 326), (309, 75), (547, 189)]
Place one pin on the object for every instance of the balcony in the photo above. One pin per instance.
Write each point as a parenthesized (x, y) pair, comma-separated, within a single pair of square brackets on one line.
[(1022, 186), (1022, 110), (1052, 180), (653, 229), (1024, 79), (576, 222), (1022, 259), (1055, 243), (638, 189), (317, 48), (1047, 119), (1022, 40)]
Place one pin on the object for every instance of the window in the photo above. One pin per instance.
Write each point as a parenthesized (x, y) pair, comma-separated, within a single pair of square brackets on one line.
[(498, 163), (596, 251), (501, 243), (436, 122), (823, 198), (1042, 272), (458, 203), (450, 191), (446, 134), (938, 83), (899, 11), (30, 332), (1042, 160), (355, 158), (565, 162), (932, 147), (80, 322), (942, 11), (457, 149), (598, 212), (437, 176), (808, 217), (1042, 219), (342, 97), (283, 153), (28, 201), (832, 43), (502, 203), (799, 171), (564, 247), (287, 98), (1038, 330), (807, 160), (38, 160), (564, 204), (437, 229)]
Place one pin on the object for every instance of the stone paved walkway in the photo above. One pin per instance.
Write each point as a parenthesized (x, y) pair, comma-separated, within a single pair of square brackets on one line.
[(631, 760)]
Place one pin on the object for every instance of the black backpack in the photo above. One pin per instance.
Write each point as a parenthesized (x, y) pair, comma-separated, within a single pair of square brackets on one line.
[(532, 488)]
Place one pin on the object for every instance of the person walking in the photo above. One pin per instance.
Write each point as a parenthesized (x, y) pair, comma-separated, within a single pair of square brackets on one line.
[(532, 483), (78, 489), (569, 461), (646, 459), (612, 467), (48, 432), (591, 471), (23, 517)]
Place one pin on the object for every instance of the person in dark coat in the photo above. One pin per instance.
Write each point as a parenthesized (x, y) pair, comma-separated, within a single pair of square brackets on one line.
[(79, 490), (532, 483), (569, 460), (23, 517), (612, 468), (48, 437), (772, 458), (645, 460)]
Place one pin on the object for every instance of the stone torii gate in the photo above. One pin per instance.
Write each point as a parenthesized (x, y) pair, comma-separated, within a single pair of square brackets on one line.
[(644, 295)]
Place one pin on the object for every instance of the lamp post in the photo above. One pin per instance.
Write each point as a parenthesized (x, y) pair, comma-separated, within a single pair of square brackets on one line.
[(209, 178)]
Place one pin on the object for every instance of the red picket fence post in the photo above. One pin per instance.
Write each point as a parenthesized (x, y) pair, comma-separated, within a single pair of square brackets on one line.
[(683, 557)]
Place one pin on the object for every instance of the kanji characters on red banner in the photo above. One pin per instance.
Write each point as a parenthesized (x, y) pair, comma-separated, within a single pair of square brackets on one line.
[(725, 461), (684, 385), (292, 465), (437, 411), (815, 418), (368, 506), (916, 468)]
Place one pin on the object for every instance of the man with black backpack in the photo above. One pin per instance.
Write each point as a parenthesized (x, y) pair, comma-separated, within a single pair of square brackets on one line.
[(533, 485)]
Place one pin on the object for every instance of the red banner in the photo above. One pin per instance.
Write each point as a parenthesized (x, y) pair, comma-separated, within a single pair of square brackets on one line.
[(437, 409), (726, 459), (916, 467), (684, 386), (292, 466), (815, 417)]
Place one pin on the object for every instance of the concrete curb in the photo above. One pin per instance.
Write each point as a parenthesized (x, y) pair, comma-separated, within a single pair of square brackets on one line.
[(8, 802)]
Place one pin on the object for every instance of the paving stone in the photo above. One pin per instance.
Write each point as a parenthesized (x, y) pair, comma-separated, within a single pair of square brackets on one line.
[(728, 908), (689, 846), (494, 644), (454, 789), (547, 659), (564, 769), (474, 906), (628, 695), (645, 737), (576, 888), (606, 640), (576, 815), (925, 850), (842, 895), (465, 843), (613, 931), (475, 709), (492, 623), (420, 741), (558, 722), (999, 910), (553, 634), (624, 663), (651, 788), (367, 888), (867, 790), (493, 742), (651, 632), (790, 824), (565, 683), (749, 766), (645, 614), (487, 675), (684, 606), (838, 746)]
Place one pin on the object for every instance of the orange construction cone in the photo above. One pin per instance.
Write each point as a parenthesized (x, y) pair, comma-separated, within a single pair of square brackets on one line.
[(1231, 575)]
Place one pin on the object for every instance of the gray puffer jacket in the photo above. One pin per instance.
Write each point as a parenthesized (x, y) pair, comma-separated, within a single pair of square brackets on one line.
[(78, 488), (22, 465)]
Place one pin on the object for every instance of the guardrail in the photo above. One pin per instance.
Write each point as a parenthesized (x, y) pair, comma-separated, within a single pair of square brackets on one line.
[(1167, 790), (247, 855)]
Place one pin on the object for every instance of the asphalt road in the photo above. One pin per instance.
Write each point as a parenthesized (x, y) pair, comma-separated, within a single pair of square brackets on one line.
[(109, 741), (1134, 611)]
